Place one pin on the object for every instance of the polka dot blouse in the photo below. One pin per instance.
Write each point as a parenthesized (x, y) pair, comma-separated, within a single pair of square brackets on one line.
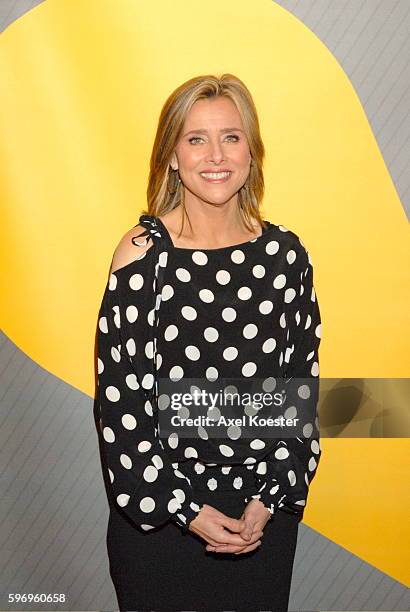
[(246, 313)]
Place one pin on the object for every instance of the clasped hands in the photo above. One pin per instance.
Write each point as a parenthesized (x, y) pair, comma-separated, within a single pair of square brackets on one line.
[(229, 535)]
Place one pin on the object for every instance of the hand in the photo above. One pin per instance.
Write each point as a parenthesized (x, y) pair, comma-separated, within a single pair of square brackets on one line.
[(213, 525), (254, 517)]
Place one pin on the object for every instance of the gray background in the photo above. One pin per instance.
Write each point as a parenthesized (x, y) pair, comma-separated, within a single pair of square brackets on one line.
[(53, 508)]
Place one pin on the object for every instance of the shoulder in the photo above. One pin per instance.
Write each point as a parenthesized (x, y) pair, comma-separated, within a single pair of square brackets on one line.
[(132, 246), (292, 245)]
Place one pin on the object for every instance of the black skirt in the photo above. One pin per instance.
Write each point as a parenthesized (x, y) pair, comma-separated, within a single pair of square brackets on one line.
[(164, 570)]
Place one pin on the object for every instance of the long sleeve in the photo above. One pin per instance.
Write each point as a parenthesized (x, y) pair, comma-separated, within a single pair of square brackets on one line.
[(284, 476), (145, 484)]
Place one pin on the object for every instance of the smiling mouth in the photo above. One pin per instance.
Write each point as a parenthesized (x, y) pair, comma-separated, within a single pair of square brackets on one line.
[(215, 177)]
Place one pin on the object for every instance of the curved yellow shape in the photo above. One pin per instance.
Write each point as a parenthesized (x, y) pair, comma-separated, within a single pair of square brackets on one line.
[(82, 84)]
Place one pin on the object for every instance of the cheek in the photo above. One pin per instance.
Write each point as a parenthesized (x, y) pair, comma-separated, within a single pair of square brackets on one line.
[(241, 156)]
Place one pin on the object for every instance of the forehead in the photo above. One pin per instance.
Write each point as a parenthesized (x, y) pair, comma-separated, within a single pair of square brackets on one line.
[(217, 110)]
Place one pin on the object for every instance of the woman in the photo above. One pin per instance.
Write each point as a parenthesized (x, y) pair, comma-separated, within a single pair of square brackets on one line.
[(230, 298)]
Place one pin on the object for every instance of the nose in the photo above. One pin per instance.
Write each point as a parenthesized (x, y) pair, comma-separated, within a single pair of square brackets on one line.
[(215, 152)]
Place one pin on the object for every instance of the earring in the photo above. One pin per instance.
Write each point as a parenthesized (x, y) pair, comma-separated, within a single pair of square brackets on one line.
[(173, 188)]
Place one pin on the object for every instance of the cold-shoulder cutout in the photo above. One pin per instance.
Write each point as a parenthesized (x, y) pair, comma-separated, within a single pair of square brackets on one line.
[(130, 248)]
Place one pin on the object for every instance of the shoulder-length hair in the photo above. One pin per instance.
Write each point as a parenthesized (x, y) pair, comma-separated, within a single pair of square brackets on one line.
[(165, 191)]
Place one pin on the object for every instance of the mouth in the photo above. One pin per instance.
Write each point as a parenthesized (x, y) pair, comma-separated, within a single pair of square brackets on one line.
[(216, 177)]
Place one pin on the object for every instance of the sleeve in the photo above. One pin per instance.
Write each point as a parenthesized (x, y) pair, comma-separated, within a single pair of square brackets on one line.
[(145, 484), (284, 476)]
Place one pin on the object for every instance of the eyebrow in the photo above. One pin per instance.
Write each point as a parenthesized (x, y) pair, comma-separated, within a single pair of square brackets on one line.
[(223, 130)]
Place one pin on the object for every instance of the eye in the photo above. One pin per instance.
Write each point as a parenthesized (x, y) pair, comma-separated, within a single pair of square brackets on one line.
[(233, 136), (196, 138)]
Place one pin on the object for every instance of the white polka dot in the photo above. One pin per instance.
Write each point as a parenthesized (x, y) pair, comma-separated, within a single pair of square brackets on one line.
[(132, 382), (258, 271), (212, 374), (307, 430), (290, 294), (167, 292), (180, 495), (279, 281), (314, 445), (199, 258), (108, 434), (131, 347), (189, 313), (125, 461), (144, 446), (272, 247), (223, 277), (229, 314), (304, 391), (291, 256), (192, 352), (131, 313), (147, 504), (230, 353), (244, 293), (103, 325), (237, 483), (237, 256), (171, 332), (269, 345), (122, 499), (265, 307), (249, 331), (183, 275), (212, 484), (112, 393), (257, 444), (190, 451), (206, 295), (249, 368), (225, 450), (129, 421), (312, 464), (211, 334), (115, 354), (292, 478), (173, 505), (173, 440), (112, 282), (148, 381), (157, 461), (282, 453), (150, 473), (176, 373), (136, 282)]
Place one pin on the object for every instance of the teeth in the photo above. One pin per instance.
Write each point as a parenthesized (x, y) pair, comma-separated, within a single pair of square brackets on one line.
[(215, 175)]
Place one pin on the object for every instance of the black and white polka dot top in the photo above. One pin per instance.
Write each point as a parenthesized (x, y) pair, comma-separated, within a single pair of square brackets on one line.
[(244, 319)]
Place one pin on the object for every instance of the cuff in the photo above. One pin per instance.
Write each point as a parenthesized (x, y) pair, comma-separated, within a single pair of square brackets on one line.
[(270, 497), (183, 517)]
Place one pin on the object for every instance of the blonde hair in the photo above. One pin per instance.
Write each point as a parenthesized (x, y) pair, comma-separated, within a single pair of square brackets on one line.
[(165, 191)]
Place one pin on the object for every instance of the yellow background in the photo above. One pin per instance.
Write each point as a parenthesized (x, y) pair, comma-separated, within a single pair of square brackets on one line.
[(80, 103)]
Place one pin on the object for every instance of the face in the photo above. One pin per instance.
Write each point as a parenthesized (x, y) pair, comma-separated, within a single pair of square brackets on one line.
[(212, 141)]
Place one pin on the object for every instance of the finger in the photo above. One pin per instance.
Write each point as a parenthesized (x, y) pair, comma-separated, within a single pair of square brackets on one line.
[(247, 530), (221, 546), (249, 548), (235, 525), (231, 539), (234, 549)]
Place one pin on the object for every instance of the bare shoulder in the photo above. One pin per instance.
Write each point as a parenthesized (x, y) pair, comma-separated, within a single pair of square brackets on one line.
[(128, 249)]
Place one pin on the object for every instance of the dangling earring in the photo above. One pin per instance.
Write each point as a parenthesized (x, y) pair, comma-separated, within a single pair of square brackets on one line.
[(175, 181)]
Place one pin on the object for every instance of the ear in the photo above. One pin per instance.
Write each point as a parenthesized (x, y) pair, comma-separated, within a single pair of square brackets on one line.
[(174, 162)]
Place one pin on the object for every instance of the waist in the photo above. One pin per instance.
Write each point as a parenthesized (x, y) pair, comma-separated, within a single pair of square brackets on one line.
[(234, 479)]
